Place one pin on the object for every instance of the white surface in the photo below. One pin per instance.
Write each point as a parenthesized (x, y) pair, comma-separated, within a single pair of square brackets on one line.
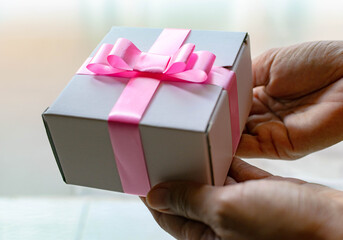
[(77, 218), (323, 167)]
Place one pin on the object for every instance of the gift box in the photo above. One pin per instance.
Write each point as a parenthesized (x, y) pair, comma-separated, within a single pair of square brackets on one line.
[(153, 105)]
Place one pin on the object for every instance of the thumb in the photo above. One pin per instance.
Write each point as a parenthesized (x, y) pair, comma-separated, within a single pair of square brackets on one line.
[(261, 66), (187, 199)]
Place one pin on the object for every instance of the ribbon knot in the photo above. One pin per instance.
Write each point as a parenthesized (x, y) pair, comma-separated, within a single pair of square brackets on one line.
[(124, 59)]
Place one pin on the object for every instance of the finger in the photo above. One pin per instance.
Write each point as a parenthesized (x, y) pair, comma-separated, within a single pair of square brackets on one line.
[(264, 102), (261, 66), (180, 227), (268, 140), (250, 147), (183, 228), (297, 70), (287, 179), (222, 208), (258, 107), (229, 181), (190, 200), (241, 171)]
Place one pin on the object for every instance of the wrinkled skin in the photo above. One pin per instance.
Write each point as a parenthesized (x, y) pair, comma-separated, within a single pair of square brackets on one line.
[(253, 205), (297, 109), (298, 101)]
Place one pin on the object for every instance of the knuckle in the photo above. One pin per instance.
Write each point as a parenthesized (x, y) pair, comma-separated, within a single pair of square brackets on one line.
[(220, 211), (207, 234), (180, 201), (196, 231), (161, 221), (184, 231), (226, 207)]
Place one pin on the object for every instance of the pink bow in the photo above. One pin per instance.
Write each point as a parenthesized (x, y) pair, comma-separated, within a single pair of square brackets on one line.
[(124, 59)]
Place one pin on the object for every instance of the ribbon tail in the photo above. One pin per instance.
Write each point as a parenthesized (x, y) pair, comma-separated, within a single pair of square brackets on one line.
[(227, 80), (193, 76), (125, 136)]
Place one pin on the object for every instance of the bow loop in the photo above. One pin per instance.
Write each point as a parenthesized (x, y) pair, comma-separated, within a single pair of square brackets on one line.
[(179, 60), (123, 55), (99, 64), (202, 60)]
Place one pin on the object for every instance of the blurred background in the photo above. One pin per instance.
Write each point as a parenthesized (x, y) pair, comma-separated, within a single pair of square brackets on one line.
[(43, 43)]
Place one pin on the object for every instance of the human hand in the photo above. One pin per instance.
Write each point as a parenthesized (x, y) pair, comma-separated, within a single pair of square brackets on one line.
[(298, 101), (254, 205)]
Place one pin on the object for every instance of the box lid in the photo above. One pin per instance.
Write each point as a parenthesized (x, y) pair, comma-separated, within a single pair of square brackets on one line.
[(176, 105), (225, 45)]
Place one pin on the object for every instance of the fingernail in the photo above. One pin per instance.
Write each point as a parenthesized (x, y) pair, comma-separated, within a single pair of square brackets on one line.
[(158, 198)]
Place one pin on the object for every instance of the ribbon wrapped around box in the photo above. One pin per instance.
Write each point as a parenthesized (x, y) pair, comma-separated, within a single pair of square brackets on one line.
[(170, 62)]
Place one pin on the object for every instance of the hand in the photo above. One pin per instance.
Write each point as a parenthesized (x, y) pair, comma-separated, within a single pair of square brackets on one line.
[(254, 205), (298, 101)]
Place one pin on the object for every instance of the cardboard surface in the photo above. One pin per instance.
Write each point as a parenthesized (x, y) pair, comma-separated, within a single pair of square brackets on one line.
[(84, 151), (220, 140), (244, 82)]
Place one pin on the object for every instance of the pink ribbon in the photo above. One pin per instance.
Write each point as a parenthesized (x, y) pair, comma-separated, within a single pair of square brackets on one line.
[(167, 60)]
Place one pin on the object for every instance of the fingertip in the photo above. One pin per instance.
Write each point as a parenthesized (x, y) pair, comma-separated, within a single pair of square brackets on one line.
[(143, 199), (248, 147), (229, 181), (157, 198), (188, 199), (242, 171)]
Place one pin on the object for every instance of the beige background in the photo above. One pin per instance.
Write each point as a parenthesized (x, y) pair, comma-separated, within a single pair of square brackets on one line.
[(42, 44)]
